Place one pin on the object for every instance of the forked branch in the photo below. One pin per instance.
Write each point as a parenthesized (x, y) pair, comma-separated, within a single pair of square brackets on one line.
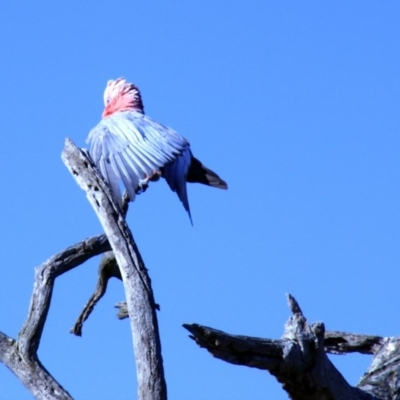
[(299, 360), (20, 355), (139, 295)]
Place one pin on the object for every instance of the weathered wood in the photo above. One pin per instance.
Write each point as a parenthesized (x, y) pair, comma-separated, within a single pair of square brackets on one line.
[(140, 301), (344, 342), (383, 377), (108, 268), (299, 360), (31, 373), (20, 355), (45, 275)]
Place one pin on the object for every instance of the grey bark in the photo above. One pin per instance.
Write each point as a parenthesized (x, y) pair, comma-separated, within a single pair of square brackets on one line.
[(139, 295), (108, 268), (20, 355), (299, 360)]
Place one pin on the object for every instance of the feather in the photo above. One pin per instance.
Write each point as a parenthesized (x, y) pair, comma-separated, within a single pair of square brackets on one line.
[(175, 174), (201, 174)]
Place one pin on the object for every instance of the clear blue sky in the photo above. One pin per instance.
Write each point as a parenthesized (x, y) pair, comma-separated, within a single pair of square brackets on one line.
[(295, 104)]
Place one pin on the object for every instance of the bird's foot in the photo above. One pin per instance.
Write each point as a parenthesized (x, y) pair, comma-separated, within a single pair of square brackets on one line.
[(142, 186), (144, 183)]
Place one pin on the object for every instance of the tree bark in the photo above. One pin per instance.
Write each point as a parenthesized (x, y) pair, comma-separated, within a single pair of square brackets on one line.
[(139, 295)]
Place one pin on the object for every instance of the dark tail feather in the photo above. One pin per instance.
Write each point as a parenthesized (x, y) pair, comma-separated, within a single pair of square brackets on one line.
[(198, 173), (174, 173)]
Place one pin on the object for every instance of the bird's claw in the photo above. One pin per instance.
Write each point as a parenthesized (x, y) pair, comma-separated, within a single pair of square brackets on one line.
[(142, 186), (144, 183)]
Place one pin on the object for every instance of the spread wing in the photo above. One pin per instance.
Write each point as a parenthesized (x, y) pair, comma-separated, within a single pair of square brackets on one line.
[(129, 147)]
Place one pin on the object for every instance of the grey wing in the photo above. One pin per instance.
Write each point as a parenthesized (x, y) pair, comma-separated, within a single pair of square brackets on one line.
[(131, 150)]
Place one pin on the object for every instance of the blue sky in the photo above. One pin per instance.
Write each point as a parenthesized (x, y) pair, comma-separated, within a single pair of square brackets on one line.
[(295, 104)]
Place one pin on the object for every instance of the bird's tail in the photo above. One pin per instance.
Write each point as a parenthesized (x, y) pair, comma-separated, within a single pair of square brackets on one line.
[(174, 173), (198, 173)]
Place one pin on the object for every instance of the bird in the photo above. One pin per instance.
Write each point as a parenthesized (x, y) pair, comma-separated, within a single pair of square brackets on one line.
[(130, 147)]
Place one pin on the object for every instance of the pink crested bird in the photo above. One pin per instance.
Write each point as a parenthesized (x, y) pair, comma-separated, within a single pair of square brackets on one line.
[(129, 147)]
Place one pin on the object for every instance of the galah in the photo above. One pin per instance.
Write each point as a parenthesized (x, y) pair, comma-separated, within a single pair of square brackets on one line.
[(129, 147)]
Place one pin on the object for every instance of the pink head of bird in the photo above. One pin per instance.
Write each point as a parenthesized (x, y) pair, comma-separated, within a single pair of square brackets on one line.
[(121, 96)]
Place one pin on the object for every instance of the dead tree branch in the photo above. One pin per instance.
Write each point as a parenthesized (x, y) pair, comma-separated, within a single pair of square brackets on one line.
[(20, 355), (108, 269), (299, 360), (139, 295), (343, 343)]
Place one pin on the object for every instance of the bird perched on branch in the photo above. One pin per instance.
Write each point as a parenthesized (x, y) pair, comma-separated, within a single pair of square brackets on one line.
[(129, 147)]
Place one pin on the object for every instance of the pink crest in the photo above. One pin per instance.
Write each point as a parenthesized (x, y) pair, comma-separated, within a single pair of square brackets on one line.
[(121, 96)]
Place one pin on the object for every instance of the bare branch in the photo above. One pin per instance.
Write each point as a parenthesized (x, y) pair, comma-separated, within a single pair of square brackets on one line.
[(108, 268), (293, 305), (298, 360), (32, 374), (343, 342), (140, 301), (236, 349), (31, 332), (21, 356)]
